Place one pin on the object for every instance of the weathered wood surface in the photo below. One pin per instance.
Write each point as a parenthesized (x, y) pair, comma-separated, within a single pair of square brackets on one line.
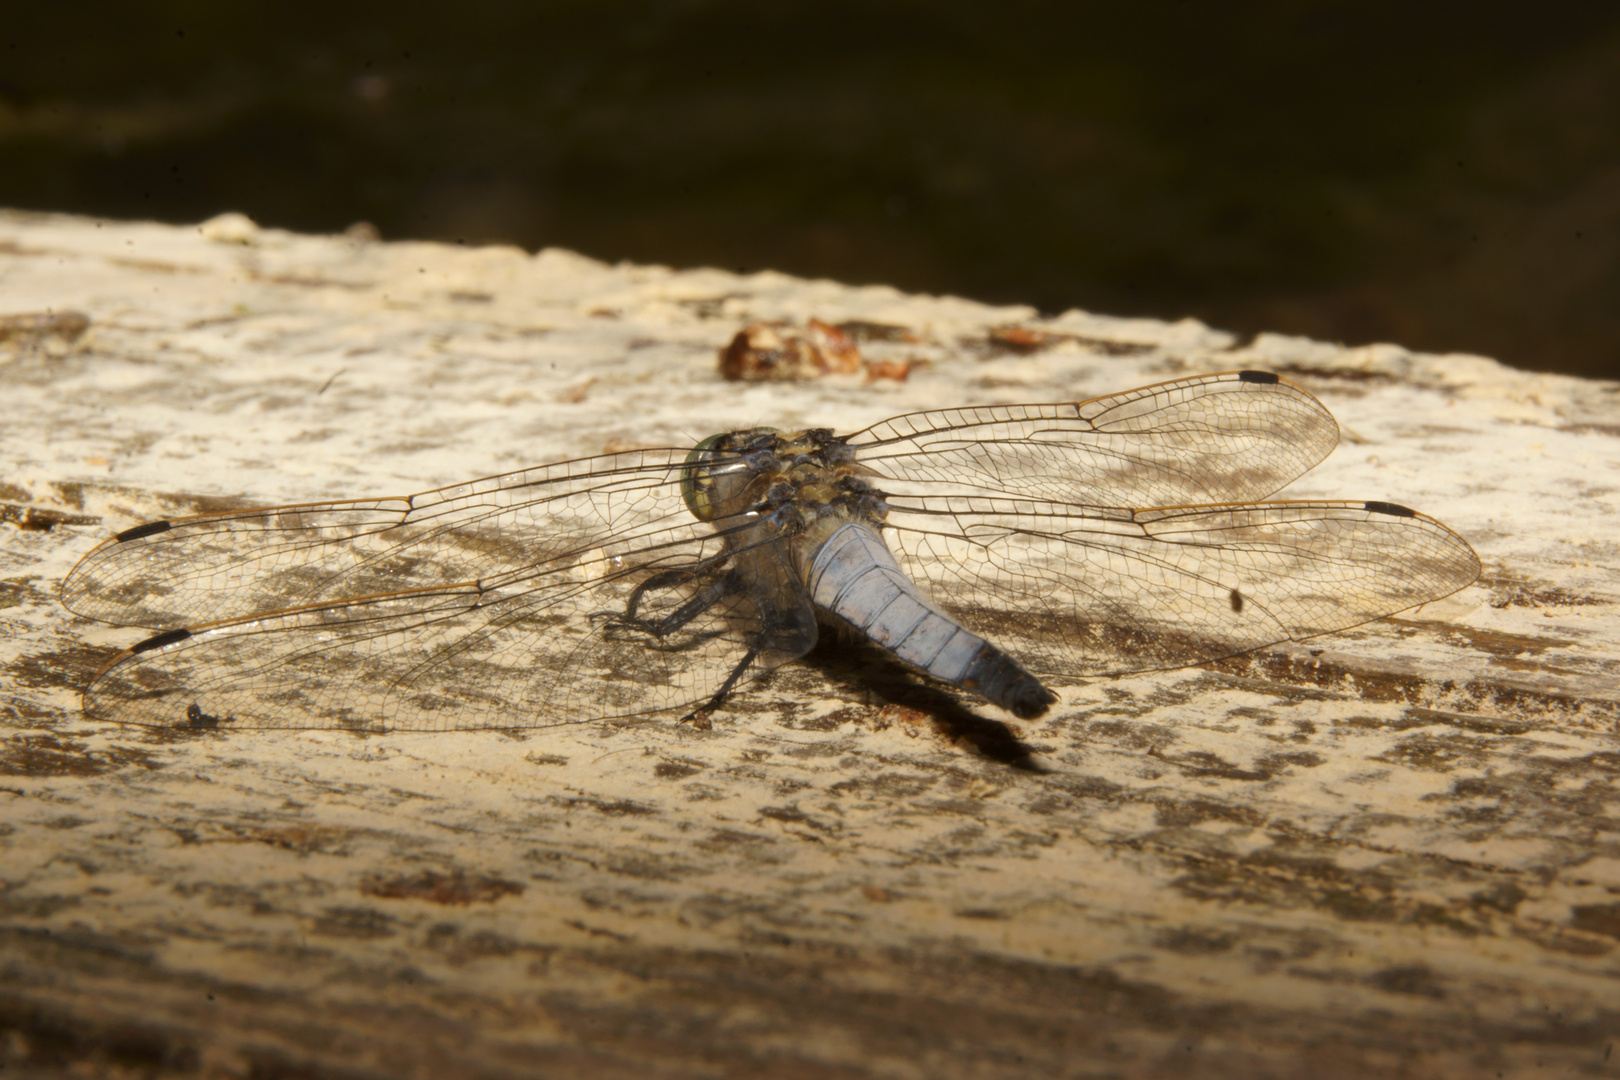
[(1397, 856)]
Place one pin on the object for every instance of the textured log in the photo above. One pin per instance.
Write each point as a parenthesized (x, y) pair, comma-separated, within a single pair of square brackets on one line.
[(1393, 851)]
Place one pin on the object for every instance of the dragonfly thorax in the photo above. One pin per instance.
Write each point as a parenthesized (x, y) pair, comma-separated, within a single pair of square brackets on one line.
[(793, 479)]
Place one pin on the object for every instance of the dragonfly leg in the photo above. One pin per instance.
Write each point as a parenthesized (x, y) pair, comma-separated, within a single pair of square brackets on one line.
[(666, 580), (700, 715), (706, 598)]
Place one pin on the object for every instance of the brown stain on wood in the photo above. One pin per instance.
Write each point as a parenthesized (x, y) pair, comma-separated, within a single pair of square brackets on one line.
[(453, 889), (46, 755)]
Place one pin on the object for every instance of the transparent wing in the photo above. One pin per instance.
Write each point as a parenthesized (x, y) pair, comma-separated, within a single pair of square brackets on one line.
[(1232, 437), (1081, 591), (500, 603), (214, 567)]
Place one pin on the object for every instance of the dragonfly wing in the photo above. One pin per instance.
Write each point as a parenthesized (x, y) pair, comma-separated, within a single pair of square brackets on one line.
[(1083, 591), (534, 650), (222, 566), (1232, 437)]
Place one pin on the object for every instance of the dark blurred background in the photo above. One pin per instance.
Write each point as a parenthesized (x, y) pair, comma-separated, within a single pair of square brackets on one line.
[(1444, 174)]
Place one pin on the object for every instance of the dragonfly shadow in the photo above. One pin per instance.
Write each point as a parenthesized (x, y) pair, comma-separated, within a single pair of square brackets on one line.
[(864, 671)]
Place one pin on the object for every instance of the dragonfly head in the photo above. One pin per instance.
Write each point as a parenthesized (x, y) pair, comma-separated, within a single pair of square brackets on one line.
[(715, 475)]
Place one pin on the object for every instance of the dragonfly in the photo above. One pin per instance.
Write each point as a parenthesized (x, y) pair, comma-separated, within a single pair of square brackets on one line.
[(997, 548)]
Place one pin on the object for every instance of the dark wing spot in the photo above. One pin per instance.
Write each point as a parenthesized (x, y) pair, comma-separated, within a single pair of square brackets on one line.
[(1237, 600), (148, 529), (1257, 376), (1392, 509), (158, 641)]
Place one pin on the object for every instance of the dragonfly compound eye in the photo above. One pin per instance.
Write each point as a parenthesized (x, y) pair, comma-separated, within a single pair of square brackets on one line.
[(697, 479)]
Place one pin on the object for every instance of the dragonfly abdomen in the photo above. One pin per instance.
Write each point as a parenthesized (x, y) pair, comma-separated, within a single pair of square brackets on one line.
[(854, 575)]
